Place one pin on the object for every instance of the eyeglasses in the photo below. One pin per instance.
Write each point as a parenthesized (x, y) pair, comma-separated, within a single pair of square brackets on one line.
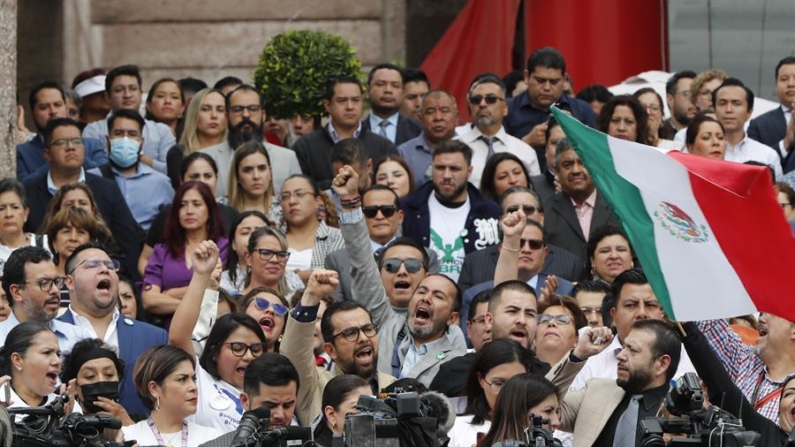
[(110, 264), (239, 348), (64, 142), (45, 284), (372, 211), (266, 254), (490, 99), (559, 319), (392, 265), (591, 310), (351, 334), (279, 309), (528, 209), (479, 320), (496, 385), (237, 110), (299, 193), (534, 244)]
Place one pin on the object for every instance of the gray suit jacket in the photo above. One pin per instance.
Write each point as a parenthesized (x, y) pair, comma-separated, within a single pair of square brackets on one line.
[(369, 291), (562, 228), (585, 412), (284, 163), (339, 262)]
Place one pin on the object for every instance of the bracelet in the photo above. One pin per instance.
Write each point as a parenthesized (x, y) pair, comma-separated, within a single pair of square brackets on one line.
[(510, 250), (351, 204)]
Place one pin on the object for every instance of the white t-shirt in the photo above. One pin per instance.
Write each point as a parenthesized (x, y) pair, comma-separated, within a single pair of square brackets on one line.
[(197, 434), (447, 235), (218, 405), (299, 260), (464, 434)]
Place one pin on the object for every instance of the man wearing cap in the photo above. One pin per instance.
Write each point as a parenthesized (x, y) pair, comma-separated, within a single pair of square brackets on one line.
[(47, 102), (90, 86)]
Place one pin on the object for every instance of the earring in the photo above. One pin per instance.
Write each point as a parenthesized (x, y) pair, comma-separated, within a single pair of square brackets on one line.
[(157, 403), (334, 425)]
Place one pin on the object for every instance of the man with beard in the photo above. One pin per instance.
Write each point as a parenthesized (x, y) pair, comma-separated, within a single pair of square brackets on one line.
[(47, 102), (350, 339), (33, 288), (385, 89), (145, 190), (93, 284), (677, 95), (449, 214), (245, 116), (572, 215), (487, 108), (646, 364), (411, 345)]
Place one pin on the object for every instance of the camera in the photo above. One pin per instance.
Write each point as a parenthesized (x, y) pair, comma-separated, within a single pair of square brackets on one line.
[(709, 427), (534, 436), (253, 432)]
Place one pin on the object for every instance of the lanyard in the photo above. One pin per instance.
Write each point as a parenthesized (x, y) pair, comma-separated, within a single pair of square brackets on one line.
[(759, 403), (159, 438)]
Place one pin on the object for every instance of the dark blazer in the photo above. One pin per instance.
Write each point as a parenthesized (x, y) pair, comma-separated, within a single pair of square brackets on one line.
[(479, 265), (112, 207), (406, 129), (31, 161), (451, 380), (770, 128), (544, 186), (562, 228), (135, 337)]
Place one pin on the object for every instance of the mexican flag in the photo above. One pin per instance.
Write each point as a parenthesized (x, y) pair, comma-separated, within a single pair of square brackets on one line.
[(711, 236)]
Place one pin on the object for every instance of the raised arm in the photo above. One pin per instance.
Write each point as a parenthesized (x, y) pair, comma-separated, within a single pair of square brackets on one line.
[(508, 263), (205, 258)]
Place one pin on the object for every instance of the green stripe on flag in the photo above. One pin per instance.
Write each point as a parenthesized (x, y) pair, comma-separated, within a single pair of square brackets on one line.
[(593, 147)]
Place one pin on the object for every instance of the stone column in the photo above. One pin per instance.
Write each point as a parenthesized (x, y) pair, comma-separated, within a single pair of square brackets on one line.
[(8, 87)]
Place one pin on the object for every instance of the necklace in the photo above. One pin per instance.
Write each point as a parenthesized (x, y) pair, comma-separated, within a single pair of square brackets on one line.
[(159, 437)]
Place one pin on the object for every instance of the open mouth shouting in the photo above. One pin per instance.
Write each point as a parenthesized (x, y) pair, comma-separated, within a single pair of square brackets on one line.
[(267, 323), (364, 354), (423, 314)]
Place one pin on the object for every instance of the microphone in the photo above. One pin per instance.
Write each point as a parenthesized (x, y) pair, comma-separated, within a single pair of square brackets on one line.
[(251, 422), (439, 406)]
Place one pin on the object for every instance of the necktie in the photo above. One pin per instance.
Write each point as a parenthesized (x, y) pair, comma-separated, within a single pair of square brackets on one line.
[(377, 254), (490, 144), (628, 424), (382, 131)]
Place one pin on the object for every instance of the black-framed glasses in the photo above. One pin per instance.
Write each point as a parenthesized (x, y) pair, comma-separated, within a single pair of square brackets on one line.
[(45, 284), (110, 264), (534, 244), (279, 309), (267, 254), (239, 348), (490, 99), (237, 110), (528, 209), (351, 334), (392, 265), (64, 142), (371, 211), (559, 319)]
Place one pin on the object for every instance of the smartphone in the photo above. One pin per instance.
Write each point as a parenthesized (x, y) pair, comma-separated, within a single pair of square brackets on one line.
[(6, 391)]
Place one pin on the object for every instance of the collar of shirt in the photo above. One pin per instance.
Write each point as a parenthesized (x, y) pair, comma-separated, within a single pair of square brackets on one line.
[(739, 147), (335, 137), (533, 282), (83, 322), (652, 398), (425, 347), (375, 121), (525, 102), (56, 326), (376, 246), (590, 201), (141, 170), (51, 185)]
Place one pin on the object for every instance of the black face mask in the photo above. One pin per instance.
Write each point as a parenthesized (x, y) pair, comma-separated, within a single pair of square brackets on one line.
[(109, 390)]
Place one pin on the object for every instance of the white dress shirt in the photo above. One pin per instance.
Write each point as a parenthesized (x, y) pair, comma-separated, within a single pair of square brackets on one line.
[(111, 335), (502, 143), (752, 150)]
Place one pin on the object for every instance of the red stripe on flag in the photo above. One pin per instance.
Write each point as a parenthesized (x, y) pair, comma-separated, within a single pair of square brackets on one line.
[(742, 209)]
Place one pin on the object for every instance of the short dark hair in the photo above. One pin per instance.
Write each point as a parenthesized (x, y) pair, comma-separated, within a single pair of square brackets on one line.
[(562, 147), (546, 57), (337, 390), (128, 114), (221, 330), (487, 78), (672, 86), (14, 269), (122, 70), (511, 80), (326, 325), (11, 184), (70, 261), (226, 81), (641, 117), (54, 124), (568, 303), (520, 189), (454, 147), (590, 286), (154, 365), (602, 232), (33, 97), (333, 82), (270, 369), (734, 82), (459, 294), (79, 355), (789, 60), (244, 88), (350, 151), (378, 187), (515, 285), (631, 276), (19, 340), (595, 92), (695, 125), (666, 342), (405, 241), (187, 161), (415, 75), (191, 85), (385, 66), (482, 297)]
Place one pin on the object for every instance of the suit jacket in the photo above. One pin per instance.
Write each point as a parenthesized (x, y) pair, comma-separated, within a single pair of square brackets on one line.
[(544, 185), (112, 207), (770, 128), (562, 228), (406, 129), (585, 412), (339, 262), (31, 161), (479, 266), (135, 337)]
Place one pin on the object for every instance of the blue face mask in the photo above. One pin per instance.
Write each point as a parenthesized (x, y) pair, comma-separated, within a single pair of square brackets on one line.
[(124, 151)]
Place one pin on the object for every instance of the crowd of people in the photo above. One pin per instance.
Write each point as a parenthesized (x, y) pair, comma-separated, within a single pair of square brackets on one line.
[(177, 262)]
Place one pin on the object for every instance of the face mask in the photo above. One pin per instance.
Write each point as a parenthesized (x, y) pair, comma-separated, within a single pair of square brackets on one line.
[(91, 392), (124, 151)]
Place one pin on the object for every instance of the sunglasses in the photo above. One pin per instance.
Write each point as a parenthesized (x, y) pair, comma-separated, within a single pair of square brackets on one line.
[(490, 99), (392, 265), (372, 211), (559, 319), (528, 209), (279, 309), (239, 348), (534, 244)]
